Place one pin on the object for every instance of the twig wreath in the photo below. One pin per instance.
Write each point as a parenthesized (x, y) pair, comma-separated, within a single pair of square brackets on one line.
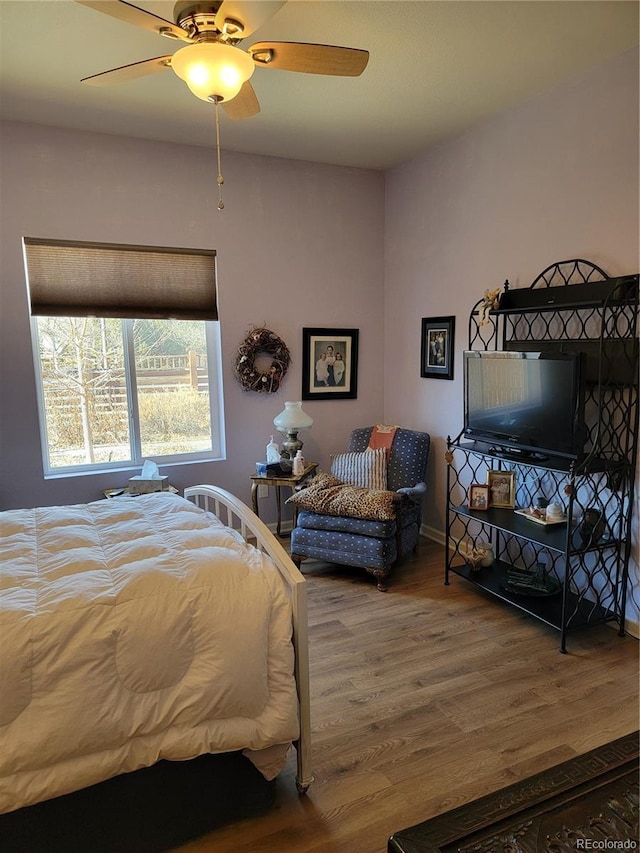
[(262, 342)]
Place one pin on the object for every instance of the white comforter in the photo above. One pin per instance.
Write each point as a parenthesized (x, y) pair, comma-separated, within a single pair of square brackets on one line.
[(131, 630)]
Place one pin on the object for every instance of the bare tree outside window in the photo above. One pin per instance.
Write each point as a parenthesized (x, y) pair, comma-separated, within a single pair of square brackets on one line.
[(97, 407)]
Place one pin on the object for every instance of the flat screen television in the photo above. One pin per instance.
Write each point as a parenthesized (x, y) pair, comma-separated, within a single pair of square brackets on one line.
[(530, 403)]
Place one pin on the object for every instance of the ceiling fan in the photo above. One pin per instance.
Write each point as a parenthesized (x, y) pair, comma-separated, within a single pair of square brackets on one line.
[(211, 63)]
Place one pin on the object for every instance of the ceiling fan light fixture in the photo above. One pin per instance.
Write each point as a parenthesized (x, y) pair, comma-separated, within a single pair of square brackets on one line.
[(213, 71)]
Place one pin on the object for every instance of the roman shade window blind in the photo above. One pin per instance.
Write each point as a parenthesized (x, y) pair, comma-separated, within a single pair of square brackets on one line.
[(79, 279)]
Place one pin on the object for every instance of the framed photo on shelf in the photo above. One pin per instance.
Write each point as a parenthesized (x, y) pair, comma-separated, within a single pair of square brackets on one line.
[(436, 349), (329, 364), (478, 496), (502, 488)]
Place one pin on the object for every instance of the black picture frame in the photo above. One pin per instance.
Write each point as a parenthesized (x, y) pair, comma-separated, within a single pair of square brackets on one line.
[(437, 347), (342, 346)]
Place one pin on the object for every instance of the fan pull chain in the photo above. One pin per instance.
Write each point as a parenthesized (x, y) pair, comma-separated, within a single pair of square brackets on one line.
[(220, 178)]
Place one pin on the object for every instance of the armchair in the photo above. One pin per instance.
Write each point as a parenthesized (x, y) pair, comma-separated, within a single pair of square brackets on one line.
[(374, 543)]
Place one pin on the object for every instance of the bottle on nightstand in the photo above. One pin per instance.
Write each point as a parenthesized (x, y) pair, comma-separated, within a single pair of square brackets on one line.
[(298, 464)]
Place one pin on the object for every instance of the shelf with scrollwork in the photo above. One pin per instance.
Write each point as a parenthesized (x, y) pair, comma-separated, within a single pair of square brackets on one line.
[(571, 307)]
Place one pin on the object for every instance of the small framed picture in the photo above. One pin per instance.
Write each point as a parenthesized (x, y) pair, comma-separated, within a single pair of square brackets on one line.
[(436, 349), (502, 491), (478, 496)]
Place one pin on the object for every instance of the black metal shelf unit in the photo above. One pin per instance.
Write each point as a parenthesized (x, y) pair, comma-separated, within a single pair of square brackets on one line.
[(572, 306)]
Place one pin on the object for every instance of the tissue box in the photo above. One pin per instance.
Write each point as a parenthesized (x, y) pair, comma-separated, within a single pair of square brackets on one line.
[(143, 485)]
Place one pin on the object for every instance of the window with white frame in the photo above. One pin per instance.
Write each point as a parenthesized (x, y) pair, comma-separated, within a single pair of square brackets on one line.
[(127, 354)]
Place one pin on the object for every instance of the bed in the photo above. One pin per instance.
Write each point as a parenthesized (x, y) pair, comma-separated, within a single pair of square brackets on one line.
[(139, 629)]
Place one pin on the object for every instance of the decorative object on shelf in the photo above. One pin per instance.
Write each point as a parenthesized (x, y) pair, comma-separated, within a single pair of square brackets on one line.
[(481, 557), (329, 364), (501, 488), (539, 507), (533, 583), (485, 549), (289, 422), (491, 301), (475, 558), (478, 496), (437, 347), (531, 515), (555, 512), (592, 526), (262, 344), (544, 512)]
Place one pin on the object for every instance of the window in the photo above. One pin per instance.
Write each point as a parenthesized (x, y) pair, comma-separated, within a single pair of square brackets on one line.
[(116, 390)]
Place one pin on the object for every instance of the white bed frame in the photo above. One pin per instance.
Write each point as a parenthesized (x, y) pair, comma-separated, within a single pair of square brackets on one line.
[(237, 515)]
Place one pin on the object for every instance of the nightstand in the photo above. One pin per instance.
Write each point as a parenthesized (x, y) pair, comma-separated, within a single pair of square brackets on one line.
[(278, 482)]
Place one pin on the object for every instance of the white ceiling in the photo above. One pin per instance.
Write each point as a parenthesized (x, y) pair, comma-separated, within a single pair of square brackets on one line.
[(436, 67)]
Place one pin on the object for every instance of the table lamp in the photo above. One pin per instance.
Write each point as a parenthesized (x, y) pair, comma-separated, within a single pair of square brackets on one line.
[(290, 420)]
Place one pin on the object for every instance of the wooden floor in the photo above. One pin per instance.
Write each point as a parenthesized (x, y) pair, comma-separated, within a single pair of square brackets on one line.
[(426, 697)]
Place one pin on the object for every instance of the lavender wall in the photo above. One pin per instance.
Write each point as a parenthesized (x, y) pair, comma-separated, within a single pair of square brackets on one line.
[(303, 244), (553, 179), (298, 244)]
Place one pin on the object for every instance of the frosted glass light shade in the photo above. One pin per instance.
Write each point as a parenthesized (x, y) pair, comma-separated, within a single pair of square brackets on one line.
[(291, 418), (213, 71)]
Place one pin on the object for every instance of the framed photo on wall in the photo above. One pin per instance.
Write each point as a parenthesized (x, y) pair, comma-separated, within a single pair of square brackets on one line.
[(502, 488), (329, 364), (437, 346)]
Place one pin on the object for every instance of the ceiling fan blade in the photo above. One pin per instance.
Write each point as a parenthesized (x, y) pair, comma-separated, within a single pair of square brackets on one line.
[(244, 105), (129, 72), (310, 58), (138, 17), (250, 13)]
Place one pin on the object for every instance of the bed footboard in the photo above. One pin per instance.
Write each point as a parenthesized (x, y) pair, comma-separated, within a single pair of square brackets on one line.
[(233, 513)]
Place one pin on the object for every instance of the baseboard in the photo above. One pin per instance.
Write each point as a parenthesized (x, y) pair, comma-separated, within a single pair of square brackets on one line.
[(285, 528), (432, 533), (631, 627)]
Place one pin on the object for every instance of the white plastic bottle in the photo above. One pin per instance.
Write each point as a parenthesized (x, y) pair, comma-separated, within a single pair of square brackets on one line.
[(273, 451), (298, 464)]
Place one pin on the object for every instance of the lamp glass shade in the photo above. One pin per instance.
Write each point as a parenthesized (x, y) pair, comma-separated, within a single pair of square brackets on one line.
[(213, 71), (292, 418)]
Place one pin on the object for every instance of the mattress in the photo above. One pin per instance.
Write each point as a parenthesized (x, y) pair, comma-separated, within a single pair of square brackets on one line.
[(132, 630)]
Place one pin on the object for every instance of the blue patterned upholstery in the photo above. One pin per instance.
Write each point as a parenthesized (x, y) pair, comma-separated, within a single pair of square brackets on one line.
[(373, 545)]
